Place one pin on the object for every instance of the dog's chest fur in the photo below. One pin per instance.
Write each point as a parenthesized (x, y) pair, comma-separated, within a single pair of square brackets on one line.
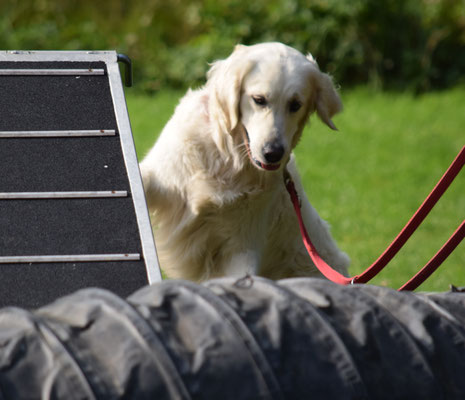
[(224, 225)]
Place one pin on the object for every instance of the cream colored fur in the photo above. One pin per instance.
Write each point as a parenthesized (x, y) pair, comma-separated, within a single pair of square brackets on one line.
[(215, 211)]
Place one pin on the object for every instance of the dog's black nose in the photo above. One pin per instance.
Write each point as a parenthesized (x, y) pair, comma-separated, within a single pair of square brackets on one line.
[(273, 152)]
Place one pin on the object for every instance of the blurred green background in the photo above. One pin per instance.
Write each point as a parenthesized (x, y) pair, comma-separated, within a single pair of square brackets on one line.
[(404, 44), (400, 66)]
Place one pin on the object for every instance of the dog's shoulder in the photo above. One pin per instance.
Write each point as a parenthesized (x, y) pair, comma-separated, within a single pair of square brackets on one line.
[(193, 106)]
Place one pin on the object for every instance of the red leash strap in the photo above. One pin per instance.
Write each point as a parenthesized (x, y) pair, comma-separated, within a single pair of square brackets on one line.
[(437, 260), (324, 268), (399, 241), (416, 219)]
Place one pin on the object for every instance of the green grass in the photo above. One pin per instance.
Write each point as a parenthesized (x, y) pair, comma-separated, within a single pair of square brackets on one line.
[(369, 178)]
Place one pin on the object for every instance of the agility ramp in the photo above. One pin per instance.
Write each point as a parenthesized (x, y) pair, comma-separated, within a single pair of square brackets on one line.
[(248, 339), (72, 206)]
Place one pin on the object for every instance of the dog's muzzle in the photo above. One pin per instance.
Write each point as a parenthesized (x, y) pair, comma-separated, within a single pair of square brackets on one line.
[(271, 153)]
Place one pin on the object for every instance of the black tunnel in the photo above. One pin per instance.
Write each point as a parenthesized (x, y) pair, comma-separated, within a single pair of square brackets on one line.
[(246, 339)]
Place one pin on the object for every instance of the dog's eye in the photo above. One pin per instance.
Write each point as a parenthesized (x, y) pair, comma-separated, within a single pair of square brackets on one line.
[(259, 100), (294, 106)]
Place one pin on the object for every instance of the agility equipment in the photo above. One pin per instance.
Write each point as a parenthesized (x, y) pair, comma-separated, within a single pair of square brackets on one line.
[(72, 206), (232, 339)]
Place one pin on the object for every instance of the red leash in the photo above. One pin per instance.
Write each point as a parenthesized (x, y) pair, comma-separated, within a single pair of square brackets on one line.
[(398, 242)]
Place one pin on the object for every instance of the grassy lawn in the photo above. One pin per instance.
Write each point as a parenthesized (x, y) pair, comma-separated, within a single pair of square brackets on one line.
[(369, 178)]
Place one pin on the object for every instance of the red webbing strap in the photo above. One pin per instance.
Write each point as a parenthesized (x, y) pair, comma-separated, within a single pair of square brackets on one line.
[(437, 260), (415, 221), (324, 268), (398, 242)]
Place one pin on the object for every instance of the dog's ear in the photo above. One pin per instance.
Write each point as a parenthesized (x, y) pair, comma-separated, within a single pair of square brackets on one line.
[(326, 100), (225, 82)]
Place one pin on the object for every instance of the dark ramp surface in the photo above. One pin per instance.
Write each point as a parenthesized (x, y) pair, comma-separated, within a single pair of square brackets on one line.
[(62, 164), (68, 226), (52, 101), (55, 102)]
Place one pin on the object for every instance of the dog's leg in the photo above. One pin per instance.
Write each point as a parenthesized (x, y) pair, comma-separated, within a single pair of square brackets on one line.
[(148, 182), (242, 263), (157, 192)]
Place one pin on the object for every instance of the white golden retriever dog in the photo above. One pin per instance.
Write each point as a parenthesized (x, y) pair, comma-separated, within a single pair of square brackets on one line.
[(214, 178)]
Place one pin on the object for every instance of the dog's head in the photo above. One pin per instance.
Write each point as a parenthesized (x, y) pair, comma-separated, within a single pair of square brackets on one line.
[(265, 93)]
